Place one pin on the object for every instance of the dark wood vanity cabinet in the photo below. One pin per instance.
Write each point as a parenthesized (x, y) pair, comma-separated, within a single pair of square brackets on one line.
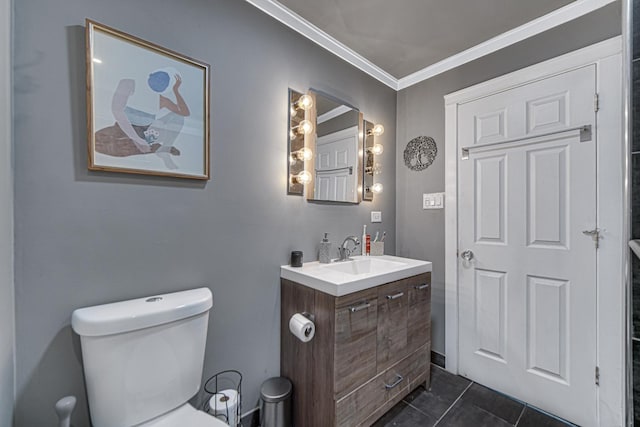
[(371, 349)]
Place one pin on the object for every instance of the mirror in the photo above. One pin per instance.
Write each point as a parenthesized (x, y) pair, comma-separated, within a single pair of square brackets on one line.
[(336, 145)]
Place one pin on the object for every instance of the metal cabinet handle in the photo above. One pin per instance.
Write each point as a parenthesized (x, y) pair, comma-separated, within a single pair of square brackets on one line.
[(398, 381), (362, 306), (396, 296), (421, 287)]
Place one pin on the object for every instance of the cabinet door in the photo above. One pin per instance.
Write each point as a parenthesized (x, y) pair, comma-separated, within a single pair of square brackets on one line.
[(355, 350), (419, 321), (392, 323)]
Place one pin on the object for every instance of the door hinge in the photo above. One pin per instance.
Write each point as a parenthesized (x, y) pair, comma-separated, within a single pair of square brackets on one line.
[(596, 102), (597, 375)]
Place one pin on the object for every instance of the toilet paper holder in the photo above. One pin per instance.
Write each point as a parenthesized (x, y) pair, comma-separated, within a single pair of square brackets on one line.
[(219, 383)]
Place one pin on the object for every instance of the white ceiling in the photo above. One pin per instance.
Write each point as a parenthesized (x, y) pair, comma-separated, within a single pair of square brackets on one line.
[(405, 36), (403, 42)]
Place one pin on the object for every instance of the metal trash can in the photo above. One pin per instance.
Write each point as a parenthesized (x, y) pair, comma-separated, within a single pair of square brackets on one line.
[(275, 402)]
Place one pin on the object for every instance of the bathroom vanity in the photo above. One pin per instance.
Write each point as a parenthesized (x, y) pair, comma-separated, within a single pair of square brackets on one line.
[(372, 344)]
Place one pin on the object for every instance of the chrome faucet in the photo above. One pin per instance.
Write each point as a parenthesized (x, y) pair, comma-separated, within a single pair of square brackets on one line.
[(344, 252)]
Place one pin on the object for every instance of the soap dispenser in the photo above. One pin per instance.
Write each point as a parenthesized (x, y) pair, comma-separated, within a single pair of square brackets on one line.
[(325, 250)]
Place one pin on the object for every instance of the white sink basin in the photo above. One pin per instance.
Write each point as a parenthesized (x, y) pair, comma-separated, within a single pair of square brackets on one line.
[(367, 265), (342, 278)]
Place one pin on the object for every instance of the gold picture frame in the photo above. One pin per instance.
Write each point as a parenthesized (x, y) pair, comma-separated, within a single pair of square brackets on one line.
[(147, 107)]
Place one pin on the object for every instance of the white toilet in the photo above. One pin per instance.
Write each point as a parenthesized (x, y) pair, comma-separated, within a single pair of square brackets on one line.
[(143, 360)]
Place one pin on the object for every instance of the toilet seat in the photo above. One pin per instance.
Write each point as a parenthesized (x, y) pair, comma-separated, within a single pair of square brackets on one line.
[(185, 415)]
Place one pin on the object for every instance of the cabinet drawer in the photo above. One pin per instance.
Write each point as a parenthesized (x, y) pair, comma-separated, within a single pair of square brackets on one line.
[(398, 378), (392, 324), (355, 345), (368, 403), (419, 315)]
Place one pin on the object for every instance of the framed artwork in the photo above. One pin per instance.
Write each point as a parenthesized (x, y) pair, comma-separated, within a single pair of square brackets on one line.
[(147, 107)]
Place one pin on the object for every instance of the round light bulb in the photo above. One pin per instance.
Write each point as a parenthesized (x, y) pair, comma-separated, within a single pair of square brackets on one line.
[(305, 154), (377, 149), (377, 188), (293, 111), (292, 135), (377, 130), (305, 102), (305, 127), (303, 177)]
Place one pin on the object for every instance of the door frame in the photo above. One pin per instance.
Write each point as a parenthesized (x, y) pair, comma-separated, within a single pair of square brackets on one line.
[(611, 257), (7, 292)]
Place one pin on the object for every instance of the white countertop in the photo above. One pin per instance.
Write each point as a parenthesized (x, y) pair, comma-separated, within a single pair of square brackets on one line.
[(343, 278)]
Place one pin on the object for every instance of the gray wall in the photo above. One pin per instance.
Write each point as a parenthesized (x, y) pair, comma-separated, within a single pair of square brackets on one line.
[(420, 233), (6, 223), (85, 238)]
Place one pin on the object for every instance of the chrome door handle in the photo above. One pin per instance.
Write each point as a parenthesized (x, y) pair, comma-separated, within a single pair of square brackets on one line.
[(399, 379), (595, 235), (467, 255)]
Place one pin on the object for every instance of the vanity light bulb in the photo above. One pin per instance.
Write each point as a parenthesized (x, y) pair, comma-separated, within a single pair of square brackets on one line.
[(305, 127), (293, 111), (305, 154), (303, 177), (377, 130), (377, 188), (292, 135), (305, 102), (377, 149)]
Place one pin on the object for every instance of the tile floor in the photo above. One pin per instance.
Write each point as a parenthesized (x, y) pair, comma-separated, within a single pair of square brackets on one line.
[(454, 401)]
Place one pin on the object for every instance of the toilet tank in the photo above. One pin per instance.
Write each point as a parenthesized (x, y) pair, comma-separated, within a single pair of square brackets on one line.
[(143, 357)]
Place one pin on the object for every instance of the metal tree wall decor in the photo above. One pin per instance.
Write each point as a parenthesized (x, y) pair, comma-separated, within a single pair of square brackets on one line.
[(420, 153)]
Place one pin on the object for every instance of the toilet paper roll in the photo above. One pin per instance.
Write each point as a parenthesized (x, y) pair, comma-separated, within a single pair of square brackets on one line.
[(224, 406), (301, 327)]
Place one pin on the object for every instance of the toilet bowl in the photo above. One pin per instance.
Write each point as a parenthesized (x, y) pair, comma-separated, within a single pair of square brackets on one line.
[(143, 359)]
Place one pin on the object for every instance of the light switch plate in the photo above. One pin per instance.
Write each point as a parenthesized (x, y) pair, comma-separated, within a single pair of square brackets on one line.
[(433, 201), (376, 216)]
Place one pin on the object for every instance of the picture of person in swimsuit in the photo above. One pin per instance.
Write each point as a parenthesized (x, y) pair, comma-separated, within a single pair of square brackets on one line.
[(136, 132)]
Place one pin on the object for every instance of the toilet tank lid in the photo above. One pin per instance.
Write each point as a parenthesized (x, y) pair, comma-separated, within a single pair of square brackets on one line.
[(131, 315)]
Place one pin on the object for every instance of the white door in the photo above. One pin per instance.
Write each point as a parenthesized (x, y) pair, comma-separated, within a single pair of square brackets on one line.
[(527, 290), (336, 179)]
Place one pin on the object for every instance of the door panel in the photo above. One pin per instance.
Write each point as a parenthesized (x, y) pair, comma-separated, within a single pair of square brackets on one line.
[(490, 212), (547, 197), (527, 297), (490, 314), (548, 327)]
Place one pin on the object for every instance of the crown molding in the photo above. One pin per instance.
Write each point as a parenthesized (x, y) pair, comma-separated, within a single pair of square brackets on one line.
[(316, 35), (553, 19)]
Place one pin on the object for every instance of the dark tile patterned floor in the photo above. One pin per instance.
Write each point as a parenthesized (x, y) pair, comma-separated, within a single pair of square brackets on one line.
[(453, 401)]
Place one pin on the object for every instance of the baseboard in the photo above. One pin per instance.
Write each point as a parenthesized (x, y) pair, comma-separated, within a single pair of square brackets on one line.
[(438, 359)]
